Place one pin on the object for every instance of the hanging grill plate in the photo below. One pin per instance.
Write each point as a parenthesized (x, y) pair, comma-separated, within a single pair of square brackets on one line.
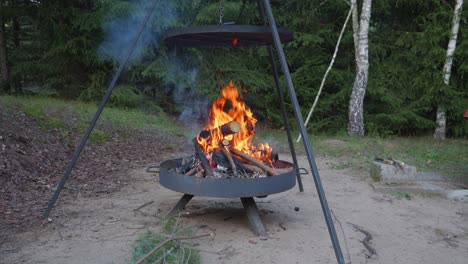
[(224, 36)]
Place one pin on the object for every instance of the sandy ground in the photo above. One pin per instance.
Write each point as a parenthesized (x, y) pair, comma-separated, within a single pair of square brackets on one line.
[(425, 229)]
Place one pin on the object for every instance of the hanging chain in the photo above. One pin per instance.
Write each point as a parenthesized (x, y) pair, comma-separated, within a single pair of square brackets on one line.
[(221, 12)]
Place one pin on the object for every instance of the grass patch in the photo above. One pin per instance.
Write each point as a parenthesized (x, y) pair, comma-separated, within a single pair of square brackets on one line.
[(449, 157), (170, 252), (402, 195), (55, 113)]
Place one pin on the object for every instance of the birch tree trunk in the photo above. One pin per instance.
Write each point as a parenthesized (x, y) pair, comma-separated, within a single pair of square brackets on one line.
[(5, 76), (441, 119), (356, 107)]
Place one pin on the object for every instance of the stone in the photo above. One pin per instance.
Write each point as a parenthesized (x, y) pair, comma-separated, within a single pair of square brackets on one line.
[(392, 173), (458, 195)]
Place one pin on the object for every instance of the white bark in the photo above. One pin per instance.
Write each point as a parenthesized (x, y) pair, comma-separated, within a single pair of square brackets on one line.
[(441, 119), (327, 71), (355, 27), (356, 107)]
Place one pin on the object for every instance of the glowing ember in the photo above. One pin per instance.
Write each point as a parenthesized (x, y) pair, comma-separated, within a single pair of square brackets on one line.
[(230, 107)]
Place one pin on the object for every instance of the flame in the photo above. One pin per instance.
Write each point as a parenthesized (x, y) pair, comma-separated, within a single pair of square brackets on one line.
[(231, 107)]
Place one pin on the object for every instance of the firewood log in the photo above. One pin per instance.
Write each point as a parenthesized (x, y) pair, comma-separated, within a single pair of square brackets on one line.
[(226, 129), (254, 161), (204, 161)]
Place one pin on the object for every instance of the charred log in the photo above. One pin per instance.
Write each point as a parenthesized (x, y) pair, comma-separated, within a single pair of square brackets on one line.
[(228, 156), (204, 161), (254, 161)]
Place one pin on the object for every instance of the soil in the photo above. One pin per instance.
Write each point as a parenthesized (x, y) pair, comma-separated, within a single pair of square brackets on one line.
[(112, 199)]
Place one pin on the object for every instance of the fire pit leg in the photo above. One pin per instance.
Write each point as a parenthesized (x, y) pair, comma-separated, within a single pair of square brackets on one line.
[(180, 204), (253, 215)]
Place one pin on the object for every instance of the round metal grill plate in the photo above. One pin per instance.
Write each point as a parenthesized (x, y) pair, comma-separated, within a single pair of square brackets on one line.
[(224, 36)]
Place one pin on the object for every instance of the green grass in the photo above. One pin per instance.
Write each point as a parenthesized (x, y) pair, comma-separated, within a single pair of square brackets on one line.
[(55, 113), (171, 252), (402, 195), (449, 157)]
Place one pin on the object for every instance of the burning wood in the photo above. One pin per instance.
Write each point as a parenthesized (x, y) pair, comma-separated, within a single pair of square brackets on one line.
[(224, 149), (226, 129), (231, 161), (253, 160), (204, 161)]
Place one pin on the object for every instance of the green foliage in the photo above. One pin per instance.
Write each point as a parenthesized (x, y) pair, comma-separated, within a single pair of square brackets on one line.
[(125, 96), (70, 49)]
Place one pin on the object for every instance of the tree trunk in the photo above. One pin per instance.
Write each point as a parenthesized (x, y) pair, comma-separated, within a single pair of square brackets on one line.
[(441, 119), (16, 24), (5, 76), (355, 22), (356, 103)]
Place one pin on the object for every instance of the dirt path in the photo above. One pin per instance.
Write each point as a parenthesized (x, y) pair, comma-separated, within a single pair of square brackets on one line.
[(103, 230)]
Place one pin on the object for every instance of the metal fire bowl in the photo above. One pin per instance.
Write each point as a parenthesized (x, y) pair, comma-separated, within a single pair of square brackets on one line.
[(224, 36), (227, 188)]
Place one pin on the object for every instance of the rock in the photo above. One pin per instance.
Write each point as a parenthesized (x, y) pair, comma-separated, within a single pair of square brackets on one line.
[(458, 195), (392, 173)]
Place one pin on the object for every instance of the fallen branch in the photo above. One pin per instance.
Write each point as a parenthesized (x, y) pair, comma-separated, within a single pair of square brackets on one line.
[(254, 161), (367, 239), (148, 203), (165, 242)]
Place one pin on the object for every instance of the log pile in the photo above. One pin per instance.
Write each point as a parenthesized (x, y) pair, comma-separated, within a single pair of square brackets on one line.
[(226, 162)]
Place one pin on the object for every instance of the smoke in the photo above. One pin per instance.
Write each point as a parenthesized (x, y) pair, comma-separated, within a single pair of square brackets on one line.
[(178, 71), (123, 22)]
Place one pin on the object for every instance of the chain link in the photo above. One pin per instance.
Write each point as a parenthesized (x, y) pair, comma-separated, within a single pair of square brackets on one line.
[(221, 12)]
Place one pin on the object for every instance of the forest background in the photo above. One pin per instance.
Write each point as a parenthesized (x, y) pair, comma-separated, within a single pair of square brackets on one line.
[(70, 49)]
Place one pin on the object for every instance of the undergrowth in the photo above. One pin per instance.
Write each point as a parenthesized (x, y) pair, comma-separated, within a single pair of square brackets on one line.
[(58, 114)]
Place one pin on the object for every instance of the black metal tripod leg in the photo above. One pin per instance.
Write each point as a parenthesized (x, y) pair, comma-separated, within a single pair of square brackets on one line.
[(180, 204), (253, 215), (281, 103), (305, 137)]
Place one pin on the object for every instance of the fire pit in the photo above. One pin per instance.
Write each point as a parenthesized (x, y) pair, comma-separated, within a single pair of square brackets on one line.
[(227, 163)]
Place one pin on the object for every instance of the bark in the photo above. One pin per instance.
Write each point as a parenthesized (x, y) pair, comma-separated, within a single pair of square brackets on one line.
[(254, 161), (204, 161), (441, 119), (226, 129), (4, 71), (356, 104), (355, 22)]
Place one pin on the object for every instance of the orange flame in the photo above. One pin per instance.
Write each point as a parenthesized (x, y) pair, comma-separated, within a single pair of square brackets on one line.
[(230, 107)]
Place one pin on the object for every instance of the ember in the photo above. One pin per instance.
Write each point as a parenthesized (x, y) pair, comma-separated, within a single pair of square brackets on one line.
[(224, 149)]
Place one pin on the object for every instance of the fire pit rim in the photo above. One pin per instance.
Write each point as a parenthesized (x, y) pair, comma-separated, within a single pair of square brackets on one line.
[(224, 188)]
